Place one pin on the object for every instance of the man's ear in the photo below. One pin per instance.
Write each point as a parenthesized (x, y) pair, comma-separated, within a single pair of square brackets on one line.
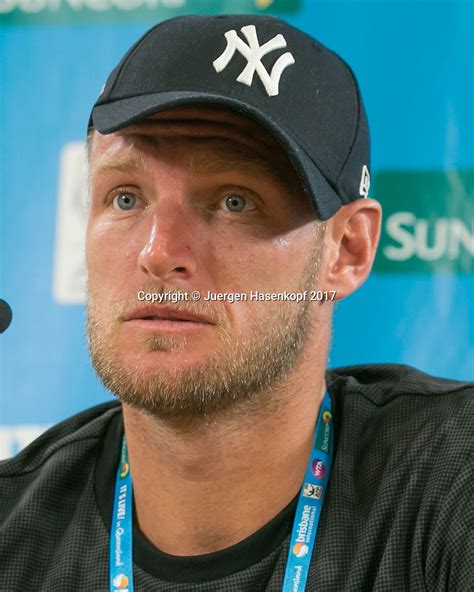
[(351, 240)]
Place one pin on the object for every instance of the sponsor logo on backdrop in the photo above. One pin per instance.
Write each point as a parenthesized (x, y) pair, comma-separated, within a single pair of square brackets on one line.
[(69, 276), (66, 12), (428, 221)]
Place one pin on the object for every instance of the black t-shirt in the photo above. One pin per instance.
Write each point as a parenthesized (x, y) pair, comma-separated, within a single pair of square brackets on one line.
[(398, 513)]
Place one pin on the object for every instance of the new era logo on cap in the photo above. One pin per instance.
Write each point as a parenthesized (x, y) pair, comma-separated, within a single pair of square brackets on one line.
[(364, 186), (253, 53), (261, 67)]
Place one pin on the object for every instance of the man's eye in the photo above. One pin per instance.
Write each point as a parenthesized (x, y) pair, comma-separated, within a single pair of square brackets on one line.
[(125, 201), (237, 203)]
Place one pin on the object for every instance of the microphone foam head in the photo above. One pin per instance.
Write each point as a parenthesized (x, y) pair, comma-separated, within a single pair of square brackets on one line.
[(5, 315)]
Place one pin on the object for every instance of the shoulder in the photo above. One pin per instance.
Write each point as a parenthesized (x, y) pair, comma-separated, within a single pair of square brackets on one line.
[(85, 427), (404, 468), (394, 406), (393, 388), (382, 383), (47, 502)]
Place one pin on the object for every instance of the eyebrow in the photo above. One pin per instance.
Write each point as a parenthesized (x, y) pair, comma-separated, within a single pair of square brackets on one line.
[(232, 156), (125, 164)]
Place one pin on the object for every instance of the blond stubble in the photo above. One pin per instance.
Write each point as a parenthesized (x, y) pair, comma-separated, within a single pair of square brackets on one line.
[(240, 375)]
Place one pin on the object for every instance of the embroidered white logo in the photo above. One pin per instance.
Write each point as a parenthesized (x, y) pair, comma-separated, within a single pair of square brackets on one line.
[(253, 52), (364, 182)]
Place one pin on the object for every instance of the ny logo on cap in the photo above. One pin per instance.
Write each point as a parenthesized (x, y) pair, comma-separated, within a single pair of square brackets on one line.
[(253, 52)]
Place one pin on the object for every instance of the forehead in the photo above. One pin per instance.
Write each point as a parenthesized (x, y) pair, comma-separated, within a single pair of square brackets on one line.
[(200, 128)]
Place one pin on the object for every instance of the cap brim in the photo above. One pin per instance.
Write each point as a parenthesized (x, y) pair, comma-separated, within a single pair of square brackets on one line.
[(111, 117)]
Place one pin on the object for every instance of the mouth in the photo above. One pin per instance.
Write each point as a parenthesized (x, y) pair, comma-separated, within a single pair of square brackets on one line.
[(154, 318), (165, 320)]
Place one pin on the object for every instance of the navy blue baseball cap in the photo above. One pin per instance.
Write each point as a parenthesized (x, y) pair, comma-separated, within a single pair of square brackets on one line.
[(262, 67)]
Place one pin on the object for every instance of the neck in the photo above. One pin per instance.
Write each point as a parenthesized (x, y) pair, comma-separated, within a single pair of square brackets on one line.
[(202, 487)]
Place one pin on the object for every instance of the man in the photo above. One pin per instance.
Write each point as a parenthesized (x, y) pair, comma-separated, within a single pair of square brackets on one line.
[(229, 213)]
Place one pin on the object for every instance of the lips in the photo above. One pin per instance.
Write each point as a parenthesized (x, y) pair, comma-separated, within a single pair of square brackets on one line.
[(153, 312)]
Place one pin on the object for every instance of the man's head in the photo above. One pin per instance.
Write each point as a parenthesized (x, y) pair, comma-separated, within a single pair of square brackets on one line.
[(203, 198)]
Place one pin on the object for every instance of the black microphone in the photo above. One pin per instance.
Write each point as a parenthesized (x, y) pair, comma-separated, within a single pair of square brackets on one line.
[(5, 315)]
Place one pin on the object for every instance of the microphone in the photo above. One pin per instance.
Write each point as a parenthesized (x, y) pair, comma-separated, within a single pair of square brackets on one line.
[(5, 315)]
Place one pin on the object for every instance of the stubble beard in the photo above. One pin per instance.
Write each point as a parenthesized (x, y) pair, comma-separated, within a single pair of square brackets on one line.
[(240, 376)]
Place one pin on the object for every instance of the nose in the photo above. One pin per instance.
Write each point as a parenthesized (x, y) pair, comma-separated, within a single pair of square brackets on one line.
[(167, 254)]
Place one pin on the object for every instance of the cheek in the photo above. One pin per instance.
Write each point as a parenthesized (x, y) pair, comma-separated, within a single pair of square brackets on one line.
[(266, 266), (232, 263), (274, 264), (108, 255)]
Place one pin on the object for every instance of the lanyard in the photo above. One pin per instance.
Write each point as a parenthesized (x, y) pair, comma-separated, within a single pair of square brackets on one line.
[(305, 525)]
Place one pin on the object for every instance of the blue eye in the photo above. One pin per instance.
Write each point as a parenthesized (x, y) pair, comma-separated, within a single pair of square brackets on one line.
[(125, 201), (238, 203)]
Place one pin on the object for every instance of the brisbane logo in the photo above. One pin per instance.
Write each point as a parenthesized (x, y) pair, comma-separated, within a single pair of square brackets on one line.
[(300, 549), (120, 582)]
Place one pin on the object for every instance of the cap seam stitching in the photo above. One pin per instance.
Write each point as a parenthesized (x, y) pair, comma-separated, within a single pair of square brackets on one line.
[(128, 58), (356, 127)]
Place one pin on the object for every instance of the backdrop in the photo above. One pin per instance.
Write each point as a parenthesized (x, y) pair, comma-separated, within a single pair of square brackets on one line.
[(414, 62)]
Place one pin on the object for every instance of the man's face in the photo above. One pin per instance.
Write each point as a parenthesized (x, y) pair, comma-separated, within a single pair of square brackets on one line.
[(197, 199)]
